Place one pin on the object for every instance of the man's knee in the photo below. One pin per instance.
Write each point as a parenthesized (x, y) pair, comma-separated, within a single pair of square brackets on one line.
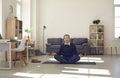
[(55, 56), (60, 59), (74, 59), (78, 57)]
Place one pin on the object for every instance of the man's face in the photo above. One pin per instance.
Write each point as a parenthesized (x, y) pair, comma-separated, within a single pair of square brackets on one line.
[(66, 39)]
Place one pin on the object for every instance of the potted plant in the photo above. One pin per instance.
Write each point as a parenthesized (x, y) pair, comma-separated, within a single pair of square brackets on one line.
[(28, 31), (96, 21)]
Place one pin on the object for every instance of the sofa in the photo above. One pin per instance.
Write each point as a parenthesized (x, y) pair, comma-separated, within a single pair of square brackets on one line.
[(53, 44)]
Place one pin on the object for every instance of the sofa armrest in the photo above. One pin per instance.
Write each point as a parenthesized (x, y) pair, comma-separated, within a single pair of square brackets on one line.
[(85, 48), (48, 47), (85, 44), (48, 44)]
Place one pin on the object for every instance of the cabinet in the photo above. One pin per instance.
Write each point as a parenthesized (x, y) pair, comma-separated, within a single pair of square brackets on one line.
[(13, 28), (96, 39)]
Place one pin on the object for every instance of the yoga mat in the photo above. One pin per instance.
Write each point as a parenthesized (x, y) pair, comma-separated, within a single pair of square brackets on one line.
[(56, 62)]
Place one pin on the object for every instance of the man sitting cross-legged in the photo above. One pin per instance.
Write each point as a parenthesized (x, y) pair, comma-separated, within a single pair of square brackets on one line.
[(67, 52)]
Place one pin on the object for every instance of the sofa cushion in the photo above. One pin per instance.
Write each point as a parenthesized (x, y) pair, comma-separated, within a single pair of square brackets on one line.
[(55, 46), (55, 41), (79, 41), (79, 47)]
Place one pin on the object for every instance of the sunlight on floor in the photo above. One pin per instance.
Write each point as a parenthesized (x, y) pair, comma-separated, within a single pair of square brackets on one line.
[(92, 59), (30, 75), (99, 73), (52, 59), (27, 75), (72, 72), (87, 71), (38, 66)]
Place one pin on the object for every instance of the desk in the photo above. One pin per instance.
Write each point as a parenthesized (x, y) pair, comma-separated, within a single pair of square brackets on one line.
[(6, 46)]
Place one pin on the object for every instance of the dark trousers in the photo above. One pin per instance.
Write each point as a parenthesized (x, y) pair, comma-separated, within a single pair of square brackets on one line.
[(67, 59)]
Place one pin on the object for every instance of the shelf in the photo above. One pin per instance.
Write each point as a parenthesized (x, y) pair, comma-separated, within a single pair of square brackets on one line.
[(16, 26), (96, 36)]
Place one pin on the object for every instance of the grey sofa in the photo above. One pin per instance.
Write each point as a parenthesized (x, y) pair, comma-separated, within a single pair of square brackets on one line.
[(53, 44)]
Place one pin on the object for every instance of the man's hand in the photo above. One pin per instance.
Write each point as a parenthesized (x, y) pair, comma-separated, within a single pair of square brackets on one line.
[(53, 53), (81, 55)]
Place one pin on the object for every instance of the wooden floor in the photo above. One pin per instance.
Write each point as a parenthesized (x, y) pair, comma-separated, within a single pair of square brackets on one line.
[(106, 67)]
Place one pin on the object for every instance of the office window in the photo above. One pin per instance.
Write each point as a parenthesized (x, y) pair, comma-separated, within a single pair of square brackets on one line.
[(19, 9), (117, 18)]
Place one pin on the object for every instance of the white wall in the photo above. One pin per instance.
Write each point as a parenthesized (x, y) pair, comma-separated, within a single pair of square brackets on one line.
[(74, 17), (5, 12)]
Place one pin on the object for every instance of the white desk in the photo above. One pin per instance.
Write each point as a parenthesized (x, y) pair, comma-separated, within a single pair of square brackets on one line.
[(6, 46)]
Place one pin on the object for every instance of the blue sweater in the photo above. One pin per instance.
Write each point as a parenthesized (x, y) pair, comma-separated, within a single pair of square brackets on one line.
[(67, 50)]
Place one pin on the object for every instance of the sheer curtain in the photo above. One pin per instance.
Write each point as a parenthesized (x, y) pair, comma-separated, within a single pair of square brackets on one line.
[(23, 12), (117, 18)]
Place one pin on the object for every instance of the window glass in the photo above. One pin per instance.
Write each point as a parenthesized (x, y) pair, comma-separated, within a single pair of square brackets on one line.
[(117, 11), (19, 0), (116, 1), (117, 22), (117, 32)]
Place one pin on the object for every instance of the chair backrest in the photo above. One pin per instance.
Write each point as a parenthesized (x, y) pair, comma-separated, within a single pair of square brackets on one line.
[(22, 43)]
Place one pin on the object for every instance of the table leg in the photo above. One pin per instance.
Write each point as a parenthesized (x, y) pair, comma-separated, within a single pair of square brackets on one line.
[(116, 50), (111, 51), (27, 55)]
